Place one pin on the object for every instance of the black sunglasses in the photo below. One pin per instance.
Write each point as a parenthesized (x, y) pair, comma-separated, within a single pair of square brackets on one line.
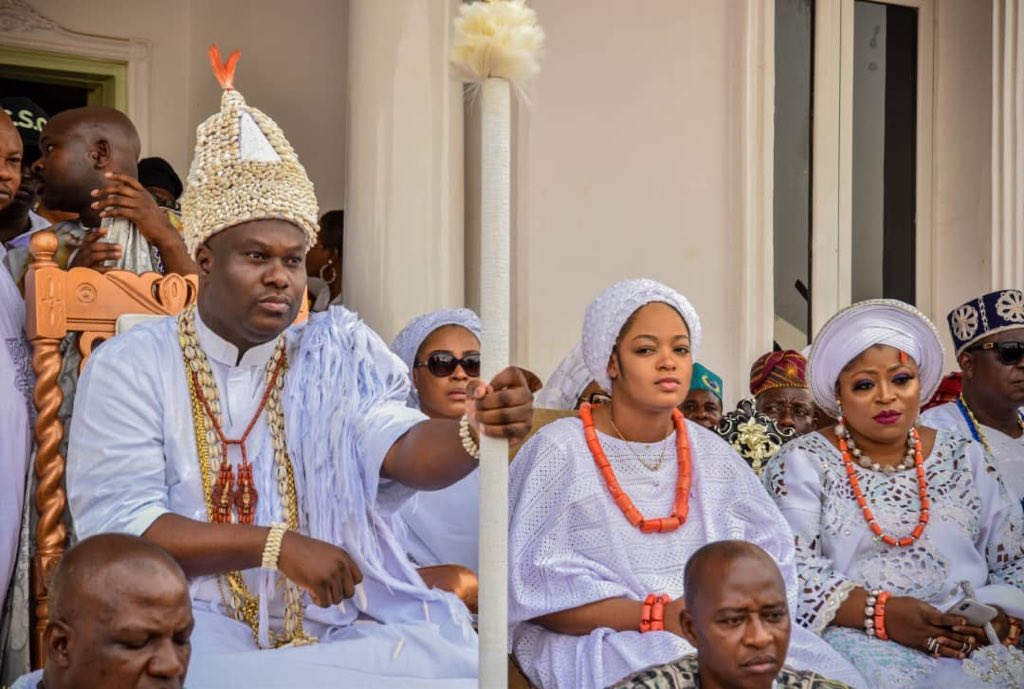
[(443, 364), (1009, 353)]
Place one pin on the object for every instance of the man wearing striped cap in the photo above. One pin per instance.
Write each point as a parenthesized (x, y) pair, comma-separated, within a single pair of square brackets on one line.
[(779, 387)]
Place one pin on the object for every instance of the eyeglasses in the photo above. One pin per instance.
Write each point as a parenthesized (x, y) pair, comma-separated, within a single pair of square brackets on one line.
[(443, 364), (1009, 353), (596, 399)]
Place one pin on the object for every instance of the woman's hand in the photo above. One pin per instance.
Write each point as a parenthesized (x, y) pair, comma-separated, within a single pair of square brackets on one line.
[(1001, 624), (915, 624)]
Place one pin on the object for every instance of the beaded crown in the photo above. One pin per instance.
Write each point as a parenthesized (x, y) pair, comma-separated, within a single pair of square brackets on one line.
[(244, 169)]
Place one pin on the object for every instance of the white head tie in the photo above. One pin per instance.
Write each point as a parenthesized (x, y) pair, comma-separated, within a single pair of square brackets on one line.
[(866, 324), (566, 384), (407, 343), (609, 312)]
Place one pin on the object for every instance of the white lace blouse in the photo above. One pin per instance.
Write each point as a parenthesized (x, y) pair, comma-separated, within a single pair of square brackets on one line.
[(973, 533)]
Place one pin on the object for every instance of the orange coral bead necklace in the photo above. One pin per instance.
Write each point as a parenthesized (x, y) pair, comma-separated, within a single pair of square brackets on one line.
[(914, 443), (681, 505)]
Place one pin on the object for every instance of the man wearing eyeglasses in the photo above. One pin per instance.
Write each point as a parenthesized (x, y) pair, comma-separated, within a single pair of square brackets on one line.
[(988, 334)]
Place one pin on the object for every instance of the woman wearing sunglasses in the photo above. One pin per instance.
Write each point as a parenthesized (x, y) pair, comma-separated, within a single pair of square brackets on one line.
[(606, 508), (890, 517), (442, 351), (988, 334)]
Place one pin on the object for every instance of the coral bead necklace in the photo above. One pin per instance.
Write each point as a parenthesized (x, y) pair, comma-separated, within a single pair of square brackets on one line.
[(913, 445), (681, 505)]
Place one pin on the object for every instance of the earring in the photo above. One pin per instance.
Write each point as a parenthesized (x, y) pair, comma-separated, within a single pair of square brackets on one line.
[(334, 272)]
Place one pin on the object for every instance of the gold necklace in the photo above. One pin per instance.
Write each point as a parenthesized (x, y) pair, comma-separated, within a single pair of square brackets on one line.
[(975, 427), (243, 605), (629, 446)]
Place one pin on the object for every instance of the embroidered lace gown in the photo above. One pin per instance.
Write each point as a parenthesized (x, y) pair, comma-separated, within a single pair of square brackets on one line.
[(570, 545), (973, 534)]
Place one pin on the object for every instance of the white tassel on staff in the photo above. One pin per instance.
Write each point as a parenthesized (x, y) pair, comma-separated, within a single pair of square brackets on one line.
[(496, 46)]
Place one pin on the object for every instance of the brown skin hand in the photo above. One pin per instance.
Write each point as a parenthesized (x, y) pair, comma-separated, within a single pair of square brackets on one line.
[(120, 616), (650, 372), (994, 391)]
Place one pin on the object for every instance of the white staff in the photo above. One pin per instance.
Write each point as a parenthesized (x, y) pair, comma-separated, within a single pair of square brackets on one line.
[(496, 46)]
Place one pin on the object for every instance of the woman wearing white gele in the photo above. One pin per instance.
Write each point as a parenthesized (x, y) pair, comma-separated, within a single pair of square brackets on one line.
[(889, 518), (442, 351), (607, 508)]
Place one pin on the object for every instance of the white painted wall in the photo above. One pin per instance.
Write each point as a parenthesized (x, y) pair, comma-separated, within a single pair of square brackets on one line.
[(962, 209), (292, 68), (627, 165)]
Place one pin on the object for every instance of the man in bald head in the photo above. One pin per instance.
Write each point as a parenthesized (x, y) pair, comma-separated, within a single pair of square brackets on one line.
[(737, 617), (88, 165), (120, 618)]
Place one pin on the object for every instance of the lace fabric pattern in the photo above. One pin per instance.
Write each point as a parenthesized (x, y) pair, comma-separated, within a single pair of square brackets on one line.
[(974, 534)]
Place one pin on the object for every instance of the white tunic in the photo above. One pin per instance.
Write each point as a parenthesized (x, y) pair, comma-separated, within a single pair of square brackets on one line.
[(1007, 453), (444, 525), (571, 545), (132, 458), (16, 384), (973, 535)]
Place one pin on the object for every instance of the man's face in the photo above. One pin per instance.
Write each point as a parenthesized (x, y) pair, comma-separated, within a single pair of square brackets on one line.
[(252, 280), (790, 407), (133, 635), (65, 169), (10, 163), (702, 407), (739, 625), (988, 376)]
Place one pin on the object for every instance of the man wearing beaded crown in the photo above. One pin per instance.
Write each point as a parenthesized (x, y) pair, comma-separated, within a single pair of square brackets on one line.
[(270, 461), (988, 334)]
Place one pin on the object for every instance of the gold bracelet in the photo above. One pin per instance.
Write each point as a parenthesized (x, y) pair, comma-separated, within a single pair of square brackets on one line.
[(272, 550), (468, 444)]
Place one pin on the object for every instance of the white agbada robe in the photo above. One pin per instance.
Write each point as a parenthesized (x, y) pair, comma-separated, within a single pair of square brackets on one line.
[(1007, 455), (132, 458), (16, 384), (443, 526), (571, 545), (973, 534)]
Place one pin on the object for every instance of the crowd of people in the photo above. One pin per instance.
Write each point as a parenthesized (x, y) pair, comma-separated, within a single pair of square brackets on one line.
[(256, 501)]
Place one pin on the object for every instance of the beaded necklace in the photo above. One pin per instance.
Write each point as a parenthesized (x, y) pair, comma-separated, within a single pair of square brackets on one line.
[(914, 441), (210, 448), (975, 427), (681, 505)]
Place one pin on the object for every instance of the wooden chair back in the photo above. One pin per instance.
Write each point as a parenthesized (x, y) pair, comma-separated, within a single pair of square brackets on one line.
[(57, 303)]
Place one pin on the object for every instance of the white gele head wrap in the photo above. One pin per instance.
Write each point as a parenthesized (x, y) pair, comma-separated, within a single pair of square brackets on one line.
[(566, 384), (408, 342), (866, 324), (609, 312), (243, 170)]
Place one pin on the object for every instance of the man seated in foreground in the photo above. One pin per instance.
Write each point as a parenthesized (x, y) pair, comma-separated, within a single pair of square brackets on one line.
[(120, 618), (737, 618)]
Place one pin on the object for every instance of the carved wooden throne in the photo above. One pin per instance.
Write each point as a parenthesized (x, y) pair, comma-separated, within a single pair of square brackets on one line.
[(59, 303)]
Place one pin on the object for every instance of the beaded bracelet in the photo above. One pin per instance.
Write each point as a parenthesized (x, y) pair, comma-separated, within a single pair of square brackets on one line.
[(880, 632), (869, 611), (272, 549), (1013, 636), (652, 615), (468, 444)]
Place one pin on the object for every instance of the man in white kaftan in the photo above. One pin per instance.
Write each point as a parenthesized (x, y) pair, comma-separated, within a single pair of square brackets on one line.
[(133, 458)]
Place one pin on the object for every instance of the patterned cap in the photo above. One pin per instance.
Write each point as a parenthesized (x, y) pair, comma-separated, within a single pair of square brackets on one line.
[(988, 314), (704, 378), (785, 369), (243, 170)]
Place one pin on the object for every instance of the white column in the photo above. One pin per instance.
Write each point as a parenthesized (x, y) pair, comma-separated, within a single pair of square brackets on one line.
[(1008, 144), (404, 181)]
